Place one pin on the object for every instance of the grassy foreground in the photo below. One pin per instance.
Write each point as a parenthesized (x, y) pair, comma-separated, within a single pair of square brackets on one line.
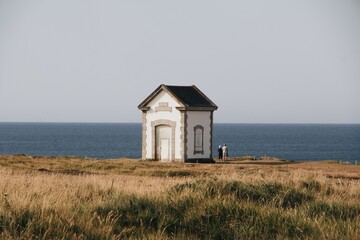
[(74, 198)]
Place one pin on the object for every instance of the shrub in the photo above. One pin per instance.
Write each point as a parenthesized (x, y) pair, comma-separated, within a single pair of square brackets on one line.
[(172, 173), (260, 193), (337, 211)]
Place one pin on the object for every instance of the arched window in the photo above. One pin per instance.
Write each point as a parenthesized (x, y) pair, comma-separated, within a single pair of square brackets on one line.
[(198, 139)]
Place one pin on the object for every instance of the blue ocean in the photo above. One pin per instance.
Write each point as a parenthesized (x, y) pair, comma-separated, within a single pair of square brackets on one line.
[(298, 142)]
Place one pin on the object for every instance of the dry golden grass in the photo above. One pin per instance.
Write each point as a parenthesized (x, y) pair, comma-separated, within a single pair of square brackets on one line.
[(75, 198)]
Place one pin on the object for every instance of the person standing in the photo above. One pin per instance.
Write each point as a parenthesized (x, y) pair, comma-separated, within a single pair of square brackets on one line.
[(220, 151), (224, 152)]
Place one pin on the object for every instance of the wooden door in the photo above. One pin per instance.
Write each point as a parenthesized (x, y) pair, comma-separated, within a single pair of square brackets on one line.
[(163, 143), (164, 149)]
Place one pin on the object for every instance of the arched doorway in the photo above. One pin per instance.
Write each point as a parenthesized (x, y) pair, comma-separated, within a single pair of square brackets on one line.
[(163, 136), (163, 140)]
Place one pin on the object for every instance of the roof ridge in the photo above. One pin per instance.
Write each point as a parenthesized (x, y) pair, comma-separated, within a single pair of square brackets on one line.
[(178, 85)]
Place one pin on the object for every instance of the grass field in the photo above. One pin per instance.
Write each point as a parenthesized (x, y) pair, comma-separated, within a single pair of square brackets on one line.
[(75, 198)]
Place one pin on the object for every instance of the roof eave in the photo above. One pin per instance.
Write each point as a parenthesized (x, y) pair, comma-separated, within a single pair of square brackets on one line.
[(144, 108), (212, 108)]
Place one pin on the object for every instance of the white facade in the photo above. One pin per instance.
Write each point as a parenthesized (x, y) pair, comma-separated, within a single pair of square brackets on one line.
[(174, 130), (153, 115)]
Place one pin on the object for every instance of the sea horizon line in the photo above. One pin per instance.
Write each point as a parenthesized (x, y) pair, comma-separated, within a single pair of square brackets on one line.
[(230, 123)]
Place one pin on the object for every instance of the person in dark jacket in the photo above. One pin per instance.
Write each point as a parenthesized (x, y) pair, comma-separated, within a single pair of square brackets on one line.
[(220, 151)]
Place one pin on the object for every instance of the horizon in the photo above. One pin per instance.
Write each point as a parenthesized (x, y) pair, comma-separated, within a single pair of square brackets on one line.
[(245, 123)]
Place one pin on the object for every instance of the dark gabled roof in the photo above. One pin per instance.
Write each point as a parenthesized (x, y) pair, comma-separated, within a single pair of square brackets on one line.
[(190, 96)]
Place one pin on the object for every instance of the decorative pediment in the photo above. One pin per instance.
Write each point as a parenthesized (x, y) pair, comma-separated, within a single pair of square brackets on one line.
[(163, 107)]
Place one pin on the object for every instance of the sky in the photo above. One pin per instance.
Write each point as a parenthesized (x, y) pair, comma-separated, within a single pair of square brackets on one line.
[(260, 61)]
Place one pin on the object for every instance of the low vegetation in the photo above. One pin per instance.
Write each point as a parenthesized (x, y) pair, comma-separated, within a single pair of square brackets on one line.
[(74, 198)]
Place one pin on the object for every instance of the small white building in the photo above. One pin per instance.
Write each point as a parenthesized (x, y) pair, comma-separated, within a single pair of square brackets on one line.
[(177, 124)]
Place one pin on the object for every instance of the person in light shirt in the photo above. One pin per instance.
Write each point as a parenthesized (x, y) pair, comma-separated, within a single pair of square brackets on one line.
[(224, 152)]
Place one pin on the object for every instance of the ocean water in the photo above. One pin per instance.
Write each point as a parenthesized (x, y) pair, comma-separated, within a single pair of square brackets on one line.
[(113, 140)]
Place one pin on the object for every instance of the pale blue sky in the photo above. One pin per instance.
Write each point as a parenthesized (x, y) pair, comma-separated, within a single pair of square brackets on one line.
[(260, 61)]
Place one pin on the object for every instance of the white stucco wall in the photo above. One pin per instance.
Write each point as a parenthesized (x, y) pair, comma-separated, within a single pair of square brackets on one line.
[(198, 118), (152, 115)]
